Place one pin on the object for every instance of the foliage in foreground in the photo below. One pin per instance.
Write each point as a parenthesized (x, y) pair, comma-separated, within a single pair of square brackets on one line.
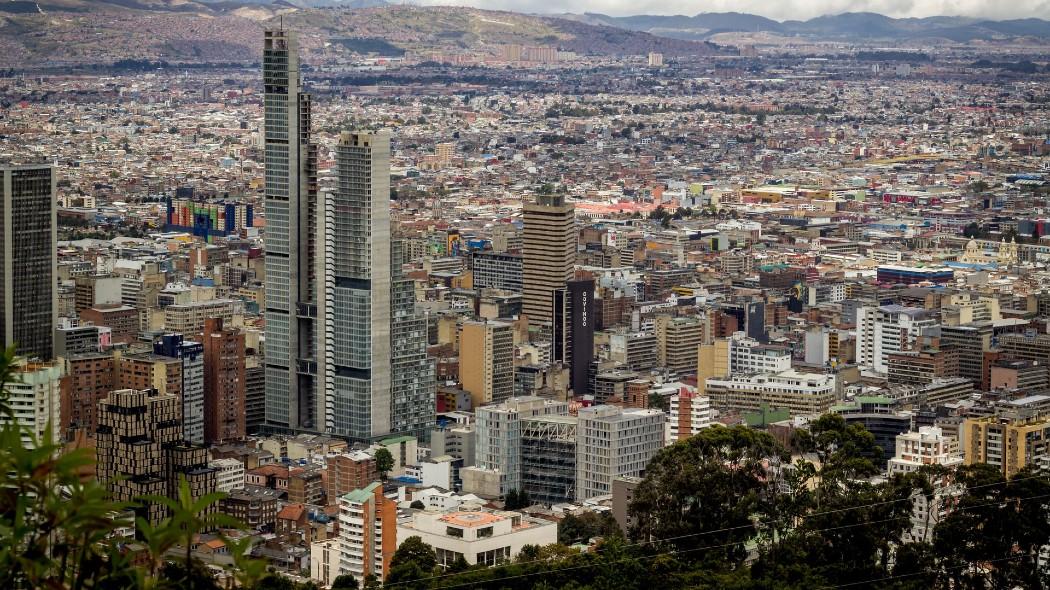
[(723, 509)]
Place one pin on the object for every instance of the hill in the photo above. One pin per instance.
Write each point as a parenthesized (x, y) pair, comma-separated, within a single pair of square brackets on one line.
[(850, 25), (65, 32)]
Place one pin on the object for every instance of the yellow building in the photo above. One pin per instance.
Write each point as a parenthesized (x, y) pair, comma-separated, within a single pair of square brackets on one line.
[(1009, 444), (486, 361), (712, 363)]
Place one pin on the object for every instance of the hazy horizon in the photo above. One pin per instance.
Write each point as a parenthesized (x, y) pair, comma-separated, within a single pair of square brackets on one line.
[(786, 10)]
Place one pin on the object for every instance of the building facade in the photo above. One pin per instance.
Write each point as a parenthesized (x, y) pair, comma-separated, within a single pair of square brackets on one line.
[(292, 398), (29, 262), (549, 253)]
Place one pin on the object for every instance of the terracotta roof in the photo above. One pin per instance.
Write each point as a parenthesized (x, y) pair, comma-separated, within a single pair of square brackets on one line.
[(292, 512)]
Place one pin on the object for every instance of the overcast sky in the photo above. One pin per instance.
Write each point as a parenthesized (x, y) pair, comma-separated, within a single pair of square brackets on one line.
[(777, 9)]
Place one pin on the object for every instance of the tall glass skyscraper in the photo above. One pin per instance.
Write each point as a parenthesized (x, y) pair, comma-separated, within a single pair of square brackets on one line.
[(292, 345), (379, 379)]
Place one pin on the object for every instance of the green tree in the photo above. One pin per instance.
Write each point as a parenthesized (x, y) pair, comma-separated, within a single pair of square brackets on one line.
[(345, 582), (412, 563), (384, 462), (190, 516), (53, 526), (579, 528), (705, 491)]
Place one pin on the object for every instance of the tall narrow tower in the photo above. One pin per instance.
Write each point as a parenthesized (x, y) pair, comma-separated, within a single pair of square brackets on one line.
[(28, 262), (292, 399), (549, 254), (377, 374)]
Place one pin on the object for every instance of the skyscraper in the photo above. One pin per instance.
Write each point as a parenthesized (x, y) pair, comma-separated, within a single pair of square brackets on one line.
[(573, 331), (292, 400), (549, 254), (27, 269), (378, 378)]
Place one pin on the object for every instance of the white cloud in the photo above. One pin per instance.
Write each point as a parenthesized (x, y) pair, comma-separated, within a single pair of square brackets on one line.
[(780, 10)]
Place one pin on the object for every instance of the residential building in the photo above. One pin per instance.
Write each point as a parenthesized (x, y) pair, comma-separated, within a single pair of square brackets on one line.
[(140, 453), (229, 474), (689, 413), (34, 395), (348, 472), (367, 532), (224, 382), (915, 450), (1008, 443), (89, 379)]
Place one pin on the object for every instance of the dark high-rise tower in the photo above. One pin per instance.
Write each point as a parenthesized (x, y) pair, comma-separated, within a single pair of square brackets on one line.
[(27, 269), (292, 399)]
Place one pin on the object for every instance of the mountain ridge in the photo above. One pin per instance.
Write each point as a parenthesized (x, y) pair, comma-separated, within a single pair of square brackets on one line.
[(863, 25)]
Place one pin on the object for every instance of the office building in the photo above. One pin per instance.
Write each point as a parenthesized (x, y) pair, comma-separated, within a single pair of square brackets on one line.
[(477, 535), (35, 398), (493, 270), (970, 343), (573, 331), (191, 356), (549, 253), (486, 365), (189, 318), (254, 393), (499, 434), (27, 270), (224, 382), (378, 378), (799, 393), (613, 442), (348, 472), (140, 451), (888, 329), (74, 340), (548, 458), (367, 532), (677, 342), (1009, 443), (292, 398)]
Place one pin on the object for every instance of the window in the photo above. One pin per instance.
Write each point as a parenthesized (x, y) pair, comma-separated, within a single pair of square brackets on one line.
[(454, 532)]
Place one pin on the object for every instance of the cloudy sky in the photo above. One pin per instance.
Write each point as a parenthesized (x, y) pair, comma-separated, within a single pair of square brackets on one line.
[(777, 9)]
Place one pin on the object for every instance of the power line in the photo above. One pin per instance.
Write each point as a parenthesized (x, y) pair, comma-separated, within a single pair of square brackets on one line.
[(679, 551), (668, 553)]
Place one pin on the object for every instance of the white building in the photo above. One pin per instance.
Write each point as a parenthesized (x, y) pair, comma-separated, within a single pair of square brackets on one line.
[(36, 400), (885, 330), (747, 355), (800, 393), (324, 561), (230, 475), (435, 499), (689, 414), (928, 446), (367, 532), (478, 535), (613, 442)]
